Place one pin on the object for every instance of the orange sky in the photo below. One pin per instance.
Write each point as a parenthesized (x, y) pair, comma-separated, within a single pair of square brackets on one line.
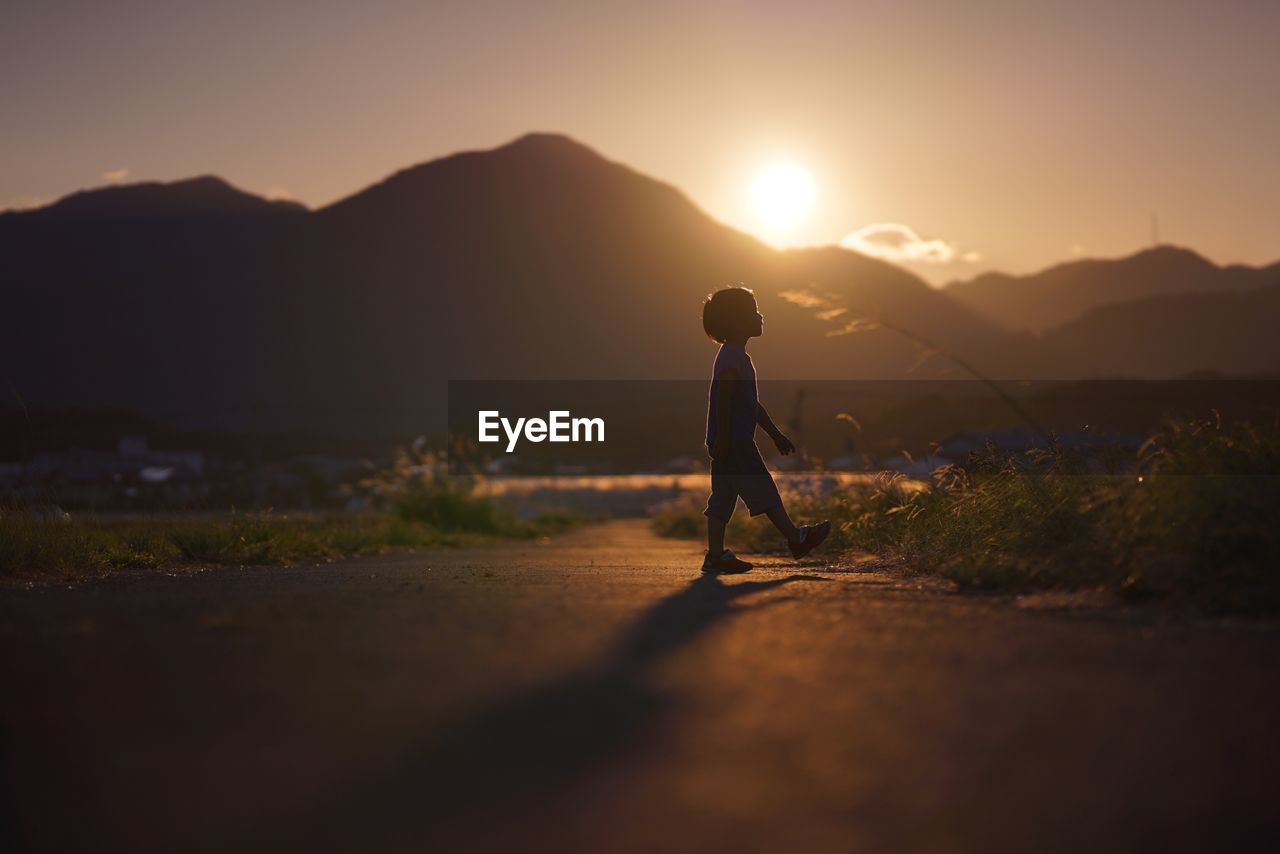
[(1016, 135)]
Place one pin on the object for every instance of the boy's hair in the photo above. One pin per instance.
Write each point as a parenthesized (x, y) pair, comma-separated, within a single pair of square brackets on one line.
[(722, 312)]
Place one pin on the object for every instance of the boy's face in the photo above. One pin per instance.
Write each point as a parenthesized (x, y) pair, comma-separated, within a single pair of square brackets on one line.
[(756, 323)]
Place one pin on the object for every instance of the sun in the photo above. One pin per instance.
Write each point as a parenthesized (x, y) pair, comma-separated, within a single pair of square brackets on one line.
[(782, 196)]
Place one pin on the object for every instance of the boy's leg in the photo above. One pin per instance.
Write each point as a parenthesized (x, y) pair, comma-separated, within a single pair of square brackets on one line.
[(720, 505), (715, 534), (761, 494), (778, 516)]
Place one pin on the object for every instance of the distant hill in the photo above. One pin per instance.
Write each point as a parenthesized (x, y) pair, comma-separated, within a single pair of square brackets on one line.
[(539, 259), (1174, 334), (194, 197), (1066, 291)]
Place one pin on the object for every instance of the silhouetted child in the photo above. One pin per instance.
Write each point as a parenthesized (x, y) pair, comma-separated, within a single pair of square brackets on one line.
[(730, 317)]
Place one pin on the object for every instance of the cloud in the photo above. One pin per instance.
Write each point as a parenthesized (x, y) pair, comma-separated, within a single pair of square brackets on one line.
[(893, 241), (971, 257), (280, 194), (114, 175)]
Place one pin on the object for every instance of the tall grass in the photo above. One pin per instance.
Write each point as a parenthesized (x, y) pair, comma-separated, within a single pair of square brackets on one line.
[(1196, 515)]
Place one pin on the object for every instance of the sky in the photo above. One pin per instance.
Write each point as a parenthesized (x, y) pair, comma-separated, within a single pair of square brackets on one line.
[(952, 137)]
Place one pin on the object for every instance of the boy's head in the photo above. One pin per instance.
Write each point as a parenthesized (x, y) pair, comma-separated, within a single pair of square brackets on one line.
[(730, 313)]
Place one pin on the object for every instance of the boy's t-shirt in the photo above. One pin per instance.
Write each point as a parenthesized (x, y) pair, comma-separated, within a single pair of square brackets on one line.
[(742, 416)]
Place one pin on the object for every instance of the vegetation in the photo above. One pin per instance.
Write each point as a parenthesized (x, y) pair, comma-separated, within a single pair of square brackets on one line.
[(1195, 516), (415, 504)]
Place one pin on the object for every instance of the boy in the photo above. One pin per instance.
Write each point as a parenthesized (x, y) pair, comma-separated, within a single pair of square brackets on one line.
[(730, 317)]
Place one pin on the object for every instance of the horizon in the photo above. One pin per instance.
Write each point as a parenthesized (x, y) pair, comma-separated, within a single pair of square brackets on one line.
[(961, 140)]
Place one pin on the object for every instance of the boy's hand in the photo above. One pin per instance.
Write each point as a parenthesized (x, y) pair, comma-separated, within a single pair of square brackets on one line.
[(784, 444)]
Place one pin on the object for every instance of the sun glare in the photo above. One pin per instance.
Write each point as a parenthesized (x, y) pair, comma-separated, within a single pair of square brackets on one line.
[(782, 196)]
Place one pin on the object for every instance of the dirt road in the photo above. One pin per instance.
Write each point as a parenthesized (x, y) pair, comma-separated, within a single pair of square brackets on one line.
[(595, 693)]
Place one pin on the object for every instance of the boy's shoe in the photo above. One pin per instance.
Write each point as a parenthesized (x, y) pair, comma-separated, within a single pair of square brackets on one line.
[(811, 536), (727, 564)]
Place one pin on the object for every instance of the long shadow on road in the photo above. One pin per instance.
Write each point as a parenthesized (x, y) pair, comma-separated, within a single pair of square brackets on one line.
[(498, 763)]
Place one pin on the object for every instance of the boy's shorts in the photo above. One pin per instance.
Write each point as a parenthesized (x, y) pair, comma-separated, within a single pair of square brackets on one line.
[(742, 473)]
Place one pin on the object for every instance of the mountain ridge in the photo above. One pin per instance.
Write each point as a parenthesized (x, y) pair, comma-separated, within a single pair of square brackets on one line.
[(1063, 292), (539, 259), (201, 195)]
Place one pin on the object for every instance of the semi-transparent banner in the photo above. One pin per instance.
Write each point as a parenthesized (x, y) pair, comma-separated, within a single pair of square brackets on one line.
[(645, 426)]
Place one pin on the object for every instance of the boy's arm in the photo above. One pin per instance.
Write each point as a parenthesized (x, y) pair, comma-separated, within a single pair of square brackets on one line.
[(780, 439), (728, 379)]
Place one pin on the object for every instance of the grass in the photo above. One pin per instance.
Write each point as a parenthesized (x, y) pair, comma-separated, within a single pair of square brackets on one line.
[(421, 508), (1195, 517), (31, 548)]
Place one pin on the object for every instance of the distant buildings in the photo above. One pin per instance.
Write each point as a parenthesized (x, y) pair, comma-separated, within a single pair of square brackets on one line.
[(137, 477), (133, 475)]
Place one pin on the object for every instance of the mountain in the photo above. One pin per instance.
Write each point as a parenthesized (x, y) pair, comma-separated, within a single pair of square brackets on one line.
[(1066, 291), (539, 259), (206, 196), (1174, 334)]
